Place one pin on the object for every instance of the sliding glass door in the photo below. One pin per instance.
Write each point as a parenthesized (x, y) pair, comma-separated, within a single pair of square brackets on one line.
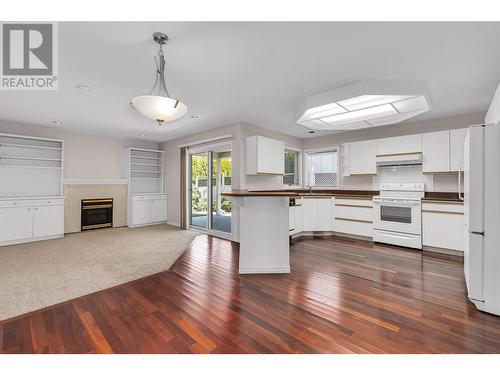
[(209, 210)]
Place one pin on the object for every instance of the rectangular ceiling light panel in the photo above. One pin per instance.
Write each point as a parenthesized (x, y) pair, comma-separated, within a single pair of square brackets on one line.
[(367, 101), (414, 104), (321, 111), (361, 115)]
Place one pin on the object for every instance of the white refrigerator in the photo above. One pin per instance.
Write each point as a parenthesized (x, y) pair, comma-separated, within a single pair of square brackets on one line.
[(482, 216)]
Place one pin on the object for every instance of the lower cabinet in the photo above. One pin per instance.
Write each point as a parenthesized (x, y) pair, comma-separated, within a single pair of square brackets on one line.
[(443, 225), (317, 214), (353, 216), (31, 220), (147, 209)]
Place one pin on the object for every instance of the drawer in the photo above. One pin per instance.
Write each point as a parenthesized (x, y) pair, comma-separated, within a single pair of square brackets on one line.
[(32, 202), (357, 228), (366, 203), (443, 207), (353, 212)]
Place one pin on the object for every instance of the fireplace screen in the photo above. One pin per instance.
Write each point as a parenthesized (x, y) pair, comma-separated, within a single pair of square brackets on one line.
[(97, 213)]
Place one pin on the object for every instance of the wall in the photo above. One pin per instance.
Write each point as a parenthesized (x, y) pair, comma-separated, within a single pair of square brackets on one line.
[(240, 180), (85, 156), (440, 183), (493, 114)]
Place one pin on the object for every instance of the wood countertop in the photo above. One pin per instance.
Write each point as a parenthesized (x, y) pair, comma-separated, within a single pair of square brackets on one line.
[(246, 193), (431, 197)]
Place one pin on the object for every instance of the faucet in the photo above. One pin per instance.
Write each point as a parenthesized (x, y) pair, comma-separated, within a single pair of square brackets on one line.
[(310, 190)]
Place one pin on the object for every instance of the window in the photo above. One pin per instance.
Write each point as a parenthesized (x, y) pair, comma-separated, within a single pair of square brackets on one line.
[(291, 176), (322, 168)]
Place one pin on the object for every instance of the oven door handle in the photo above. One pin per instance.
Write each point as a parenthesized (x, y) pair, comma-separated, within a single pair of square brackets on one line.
[(398, 203)]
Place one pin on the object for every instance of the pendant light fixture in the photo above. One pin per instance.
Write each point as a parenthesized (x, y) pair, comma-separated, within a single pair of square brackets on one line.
[(158, 105)]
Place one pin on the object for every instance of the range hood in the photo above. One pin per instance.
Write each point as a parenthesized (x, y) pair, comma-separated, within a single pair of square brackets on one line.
[(395, 160)]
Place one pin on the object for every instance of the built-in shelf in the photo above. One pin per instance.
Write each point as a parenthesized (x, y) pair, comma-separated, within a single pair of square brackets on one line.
[(145, 171), (27, 158), (3, 144), (30, 166)]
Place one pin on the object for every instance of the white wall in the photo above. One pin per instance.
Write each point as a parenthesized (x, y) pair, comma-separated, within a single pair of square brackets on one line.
[(85, 156)]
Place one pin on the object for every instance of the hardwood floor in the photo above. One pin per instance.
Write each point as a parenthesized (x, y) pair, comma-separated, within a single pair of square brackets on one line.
[(343, 296)]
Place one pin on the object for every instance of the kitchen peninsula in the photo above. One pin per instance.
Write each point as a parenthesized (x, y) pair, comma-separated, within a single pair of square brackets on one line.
[(260, 222)]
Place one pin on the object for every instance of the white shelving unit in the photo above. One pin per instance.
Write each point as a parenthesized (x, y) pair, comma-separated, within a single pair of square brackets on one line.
[(146, 179), (145, 171), (31, 189), (30, 166)]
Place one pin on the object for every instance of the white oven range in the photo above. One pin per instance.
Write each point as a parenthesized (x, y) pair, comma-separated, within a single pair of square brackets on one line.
[(398, 214)]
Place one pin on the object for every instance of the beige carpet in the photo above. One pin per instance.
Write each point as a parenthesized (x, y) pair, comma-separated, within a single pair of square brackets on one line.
[(40, 274)]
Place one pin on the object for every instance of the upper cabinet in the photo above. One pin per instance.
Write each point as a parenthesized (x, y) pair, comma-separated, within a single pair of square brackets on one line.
[(457, 138), (409, 144), (399, 145), (387, 146), (436, 152), (362, 158), (264, 156)]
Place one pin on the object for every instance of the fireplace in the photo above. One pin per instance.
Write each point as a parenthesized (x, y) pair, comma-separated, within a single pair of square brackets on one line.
[(97, 213)]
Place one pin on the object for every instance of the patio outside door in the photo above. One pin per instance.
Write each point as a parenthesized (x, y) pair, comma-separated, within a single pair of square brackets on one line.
[(208, 209)]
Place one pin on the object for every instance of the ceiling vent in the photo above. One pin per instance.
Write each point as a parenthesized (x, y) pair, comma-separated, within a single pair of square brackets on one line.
[(365, 104)]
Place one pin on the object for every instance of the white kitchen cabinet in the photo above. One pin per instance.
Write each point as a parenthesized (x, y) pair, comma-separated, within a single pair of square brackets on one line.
[(457, 138), (409, 144), (310, 214), (353, 216), (387, 146), (299, 216), (27, 220), (15, 223), (436, 152), (158, 210), (316, 214), (147, 209), (264, 156), (291, 220), (324, 214), (362, 158), (48, 221), (443, 226)]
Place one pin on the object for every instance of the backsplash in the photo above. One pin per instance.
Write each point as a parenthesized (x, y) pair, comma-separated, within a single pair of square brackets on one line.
[(439, 182), (403, 174)]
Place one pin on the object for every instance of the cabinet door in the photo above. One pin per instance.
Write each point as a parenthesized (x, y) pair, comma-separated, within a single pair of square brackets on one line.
[(443, 230), (299, 217), (16, 223), (271, 156), (141, 212), (324, 214), (387, 146), (158, 210), (410, 143), (362, 158), (436, 152), (310, 208), (48, 221), (457, 138)]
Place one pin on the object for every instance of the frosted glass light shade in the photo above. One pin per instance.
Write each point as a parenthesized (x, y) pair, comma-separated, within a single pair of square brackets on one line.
[(159, 108), (364, 103)]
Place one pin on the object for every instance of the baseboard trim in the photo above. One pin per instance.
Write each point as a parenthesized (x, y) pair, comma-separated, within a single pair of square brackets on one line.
[(28, 240), (252, 270), (440, 250), (147, 224)]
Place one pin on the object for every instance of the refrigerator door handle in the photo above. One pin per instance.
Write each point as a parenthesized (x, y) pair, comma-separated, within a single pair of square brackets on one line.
[(460, 194)]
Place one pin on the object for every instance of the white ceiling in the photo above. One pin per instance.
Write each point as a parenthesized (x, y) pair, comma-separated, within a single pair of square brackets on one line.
[(252, 72)]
